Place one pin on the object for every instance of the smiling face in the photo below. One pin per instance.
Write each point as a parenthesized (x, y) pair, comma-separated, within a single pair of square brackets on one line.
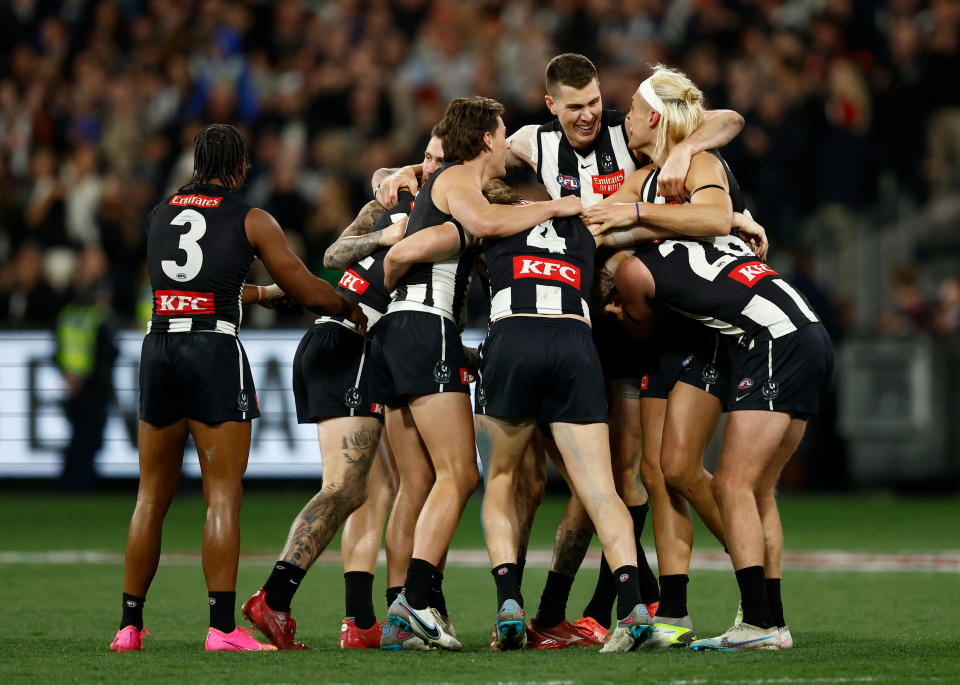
[(579, 111), (432, 157)]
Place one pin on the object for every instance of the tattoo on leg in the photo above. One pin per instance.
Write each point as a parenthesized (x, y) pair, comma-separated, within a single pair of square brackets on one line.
[(570, 549), (323, 515)]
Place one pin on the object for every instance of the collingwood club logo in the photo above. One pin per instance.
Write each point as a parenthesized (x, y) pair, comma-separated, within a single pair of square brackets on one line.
[(481, 396), (243, 403), (351, 398), (770, 390), (441, 372), (710, 373)]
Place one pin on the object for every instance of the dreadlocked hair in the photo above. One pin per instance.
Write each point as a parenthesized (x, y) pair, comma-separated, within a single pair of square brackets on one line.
[(219, 153)]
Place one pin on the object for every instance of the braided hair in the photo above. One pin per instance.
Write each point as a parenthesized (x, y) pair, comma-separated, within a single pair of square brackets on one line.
[(219, 153)]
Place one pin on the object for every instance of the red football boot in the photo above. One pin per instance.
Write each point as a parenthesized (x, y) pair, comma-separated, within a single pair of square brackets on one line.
[(563, 635), (277, 626), (652, 608), (589, 625), (352, 637)]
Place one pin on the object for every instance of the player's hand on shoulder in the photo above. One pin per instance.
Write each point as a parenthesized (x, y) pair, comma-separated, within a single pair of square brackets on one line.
[(673, 174), (389, 190), (567, 206), (394, 233), (752, 233), (604, 216)]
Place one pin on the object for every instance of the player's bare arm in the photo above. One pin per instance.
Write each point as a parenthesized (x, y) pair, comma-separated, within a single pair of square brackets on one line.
[(359, 239), (719, 127), (430, 244), (752, 233), (265, 234), (708, 213), (459, 191), (386, 183), (520, 153)]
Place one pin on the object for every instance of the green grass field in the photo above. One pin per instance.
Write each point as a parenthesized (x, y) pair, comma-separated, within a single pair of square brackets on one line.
[(849, 626)]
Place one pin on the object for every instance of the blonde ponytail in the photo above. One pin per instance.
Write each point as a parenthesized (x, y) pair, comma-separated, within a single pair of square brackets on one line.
[(682, 105)]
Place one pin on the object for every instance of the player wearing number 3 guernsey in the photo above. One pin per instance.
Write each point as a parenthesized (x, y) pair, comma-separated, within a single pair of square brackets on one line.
[(194, 375)]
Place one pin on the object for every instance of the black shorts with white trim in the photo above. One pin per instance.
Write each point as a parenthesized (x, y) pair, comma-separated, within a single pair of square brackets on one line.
[(698, 358), (202, 376), (416, 353), (545, 368), (786, 374), (331, 374)]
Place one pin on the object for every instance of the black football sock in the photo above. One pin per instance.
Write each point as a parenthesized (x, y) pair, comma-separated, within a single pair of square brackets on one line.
[(753, 597), (437, 600), (673, 595), (419, 582), (392, 594), (604, 594), (222, 608), (132, 611), (507, 579), (521, 564), (628, 590), (776, 604), (283, 582), (358, 586), (553, 601), (649, 589)]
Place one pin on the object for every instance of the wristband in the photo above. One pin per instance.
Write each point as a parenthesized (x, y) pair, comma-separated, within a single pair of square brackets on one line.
[(260, 291), (637, 204)]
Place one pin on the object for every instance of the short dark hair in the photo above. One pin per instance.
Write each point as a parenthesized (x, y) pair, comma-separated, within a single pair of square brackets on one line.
[(569, 69), (463, 124), (219, 152)]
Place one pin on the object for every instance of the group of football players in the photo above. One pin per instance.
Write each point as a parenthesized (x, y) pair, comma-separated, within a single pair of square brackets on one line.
[(626, 314)]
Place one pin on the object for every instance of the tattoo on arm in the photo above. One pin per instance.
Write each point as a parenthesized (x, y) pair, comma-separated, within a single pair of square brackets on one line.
[(348, 249), (323, 515), (379, 175)]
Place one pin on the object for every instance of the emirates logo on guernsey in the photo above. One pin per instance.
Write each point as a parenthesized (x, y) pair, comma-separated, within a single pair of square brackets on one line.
[(195, 201)]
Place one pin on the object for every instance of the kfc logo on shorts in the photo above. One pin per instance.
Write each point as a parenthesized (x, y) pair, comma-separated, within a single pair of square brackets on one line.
[(645, 381), (353, 282), (441, 372), (751, 273), (609, 183), (195, 201), (745, 384), (174, 302), (464, 376), (568, 182), (687, 362), (549, 269), (351, 398), (376, 408)]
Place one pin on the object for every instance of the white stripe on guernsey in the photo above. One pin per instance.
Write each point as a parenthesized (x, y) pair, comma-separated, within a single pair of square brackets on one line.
[(443, 344), (587, 167), (795, 296), (240, 364), (416, 293), (367, 262), (443, 278), (718, 325), (501, 304), (225, 327), (549, 299), (621, 151), (770, 367), (239, 307), (770, 316), (180, 325), (586, 309), (550, 163), (404, 306)]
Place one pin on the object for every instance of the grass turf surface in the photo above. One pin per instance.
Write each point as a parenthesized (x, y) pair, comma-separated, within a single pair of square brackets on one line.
[(849, 627)]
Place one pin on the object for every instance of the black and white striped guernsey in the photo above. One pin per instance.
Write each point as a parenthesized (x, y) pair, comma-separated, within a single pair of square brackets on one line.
[(198, 256), (362, 282), (436, 287), (564, 170), (547, 269), (721, 283)]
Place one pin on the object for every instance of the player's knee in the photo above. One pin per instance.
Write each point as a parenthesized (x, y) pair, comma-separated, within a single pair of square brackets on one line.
[(678, 475), (348, 495)]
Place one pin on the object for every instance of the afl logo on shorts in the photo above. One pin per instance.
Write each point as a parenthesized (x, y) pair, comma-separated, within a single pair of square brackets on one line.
[(243, 403), (568, 182), (441, 372), (351, 398), (745, 384), (710, 373), (770, 390), (687, 362)]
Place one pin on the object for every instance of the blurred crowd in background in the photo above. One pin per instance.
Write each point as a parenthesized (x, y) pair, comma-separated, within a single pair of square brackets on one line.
[(847, 103)]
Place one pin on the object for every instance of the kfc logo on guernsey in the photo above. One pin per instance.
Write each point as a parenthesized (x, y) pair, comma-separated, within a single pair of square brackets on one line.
[(751, 273), (608, 184), (569, 182), (173, 302), (354, 283), (195, 201), (376, 408), (549, 269)]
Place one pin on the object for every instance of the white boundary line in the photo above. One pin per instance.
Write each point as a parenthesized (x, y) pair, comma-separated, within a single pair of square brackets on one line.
[(939, 562)]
